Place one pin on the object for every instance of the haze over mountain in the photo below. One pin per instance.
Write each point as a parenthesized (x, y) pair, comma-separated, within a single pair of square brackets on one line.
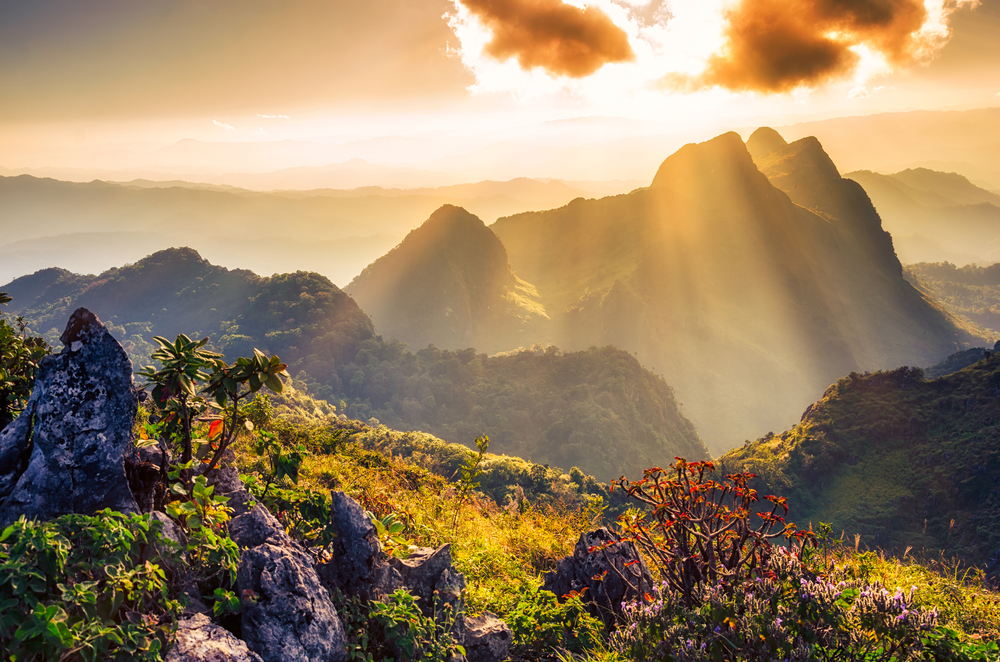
[(936, 216), (93, 226), (748, 303), (962, 141)]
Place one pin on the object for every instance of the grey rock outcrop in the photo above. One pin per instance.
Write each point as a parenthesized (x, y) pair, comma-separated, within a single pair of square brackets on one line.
[(487, 638), (198, 639), (66, 452), (428, 573), (611, 574), (287, 615), (357, 565)]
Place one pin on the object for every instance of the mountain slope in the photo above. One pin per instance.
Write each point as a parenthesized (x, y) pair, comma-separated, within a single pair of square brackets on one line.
[(899, 459), (971, 292), (749, 303), (449, 283)]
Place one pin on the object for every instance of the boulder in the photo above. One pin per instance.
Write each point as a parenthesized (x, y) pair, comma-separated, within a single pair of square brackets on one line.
[(428, 573), (66, 452), (487, 638), (357, 566), (198, 639), (607, 570), (287, 615)]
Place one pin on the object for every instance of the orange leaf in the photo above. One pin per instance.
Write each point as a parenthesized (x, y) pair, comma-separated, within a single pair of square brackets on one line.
[(215, 429)]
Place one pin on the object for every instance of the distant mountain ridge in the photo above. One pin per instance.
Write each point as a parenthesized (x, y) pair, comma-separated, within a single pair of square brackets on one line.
[(936, 216), (333, 232)]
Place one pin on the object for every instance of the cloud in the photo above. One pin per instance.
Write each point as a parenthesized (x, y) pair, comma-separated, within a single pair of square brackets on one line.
[(779, 45), (223, 125), (562, 39)]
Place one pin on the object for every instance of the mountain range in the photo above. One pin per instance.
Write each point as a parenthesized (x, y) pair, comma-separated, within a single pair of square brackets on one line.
[(750, 275), (90, 227)]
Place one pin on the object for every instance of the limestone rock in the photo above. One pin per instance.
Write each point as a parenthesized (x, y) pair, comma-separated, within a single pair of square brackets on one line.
[(487, 638), (65, 453), (625, 575), (200, 640), (427, 572), (358, 566), (287, 615)]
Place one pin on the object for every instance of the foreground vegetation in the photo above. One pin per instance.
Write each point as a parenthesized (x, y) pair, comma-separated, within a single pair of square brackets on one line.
[(738, 582)]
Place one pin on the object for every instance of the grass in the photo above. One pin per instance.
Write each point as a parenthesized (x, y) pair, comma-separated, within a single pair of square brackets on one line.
[(503, 549)]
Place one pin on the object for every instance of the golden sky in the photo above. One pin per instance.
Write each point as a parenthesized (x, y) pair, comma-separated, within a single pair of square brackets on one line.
[(126, 71)]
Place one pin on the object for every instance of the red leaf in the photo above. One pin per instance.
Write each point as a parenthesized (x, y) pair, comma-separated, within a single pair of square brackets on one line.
[(215, 429)]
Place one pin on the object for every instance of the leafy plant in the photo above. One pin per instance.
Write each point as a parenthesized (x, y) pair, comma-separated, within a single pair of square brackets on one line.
[(416, 636), (699, 531), (390, 532), (20, 356), (81, 587), (469, 475), (541, 624), (283, 463), (188, 373), (211, 555)]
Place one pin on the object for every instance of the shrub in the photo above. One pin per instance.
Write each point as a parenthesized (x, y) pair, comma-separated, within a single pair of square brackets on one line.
[(699, 531), (20, 356), (82, 587), (540, 624), (791, 615)]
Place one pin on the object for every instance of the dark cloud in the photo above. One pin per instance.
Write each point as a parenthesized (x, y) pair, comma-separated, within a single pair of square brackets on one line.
[(560, 38), (778, 45)]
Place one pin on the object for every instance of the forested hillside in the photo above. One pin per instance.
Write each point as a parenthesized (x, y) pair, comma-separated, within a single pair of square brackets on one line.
[(596, 409), (904, 461), (971, 292)]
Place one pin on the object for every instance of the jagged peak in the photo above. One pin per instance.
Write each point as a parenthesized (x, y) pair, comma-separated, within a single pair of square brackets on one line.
[(765, 141), (726, 151)]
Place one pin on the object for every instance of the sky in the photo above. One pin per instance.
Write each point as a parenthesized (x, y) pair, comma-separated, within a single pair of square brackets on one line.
[(101, 83)]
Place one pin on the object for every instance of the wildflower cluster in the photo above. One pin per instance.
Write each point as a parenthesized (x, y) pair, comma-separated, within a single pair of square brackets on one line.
[(791, 615)]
